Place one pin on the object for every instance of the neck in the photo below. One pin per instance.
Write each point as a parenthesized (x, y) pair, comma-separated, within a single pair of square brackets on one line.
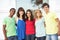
[(10, 16), (29, 18), (47, 12), (21, 17)]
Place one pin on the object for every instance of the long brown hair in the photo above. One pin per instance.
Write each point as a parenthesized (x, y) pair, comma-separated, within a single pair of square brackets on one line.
[(18, 15), (31, 17)]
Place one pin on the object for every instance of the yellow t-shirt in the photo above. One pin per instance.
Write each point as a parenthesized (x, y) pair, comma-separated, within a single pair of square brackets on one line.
[(51, 24)]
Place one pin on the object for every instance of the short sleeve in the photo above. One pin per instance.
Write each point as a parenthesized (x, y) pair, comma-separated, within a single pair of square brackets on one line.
[(4, 21), (16, 19), (54, 15)]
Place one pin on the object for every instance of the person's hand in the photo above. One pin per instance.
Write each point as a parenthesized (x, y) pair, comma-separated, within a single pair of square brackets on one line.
[(6, 38)]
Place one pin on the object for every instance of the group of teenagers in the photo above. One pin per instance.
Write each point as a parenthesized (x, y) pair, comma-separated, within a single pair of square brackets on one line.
[(27, 26)]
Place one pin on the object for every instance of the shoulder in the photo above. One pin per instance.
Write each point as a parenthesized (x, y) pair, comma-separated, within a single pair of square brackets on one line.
[(52, 13), (34, 19), (16, 18), (43, 18), (6, 18)]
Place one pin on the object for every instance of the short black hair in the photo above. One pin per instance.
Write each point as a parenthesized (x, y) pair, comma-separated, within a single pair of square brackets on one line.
[(45, 4), (13, 9)]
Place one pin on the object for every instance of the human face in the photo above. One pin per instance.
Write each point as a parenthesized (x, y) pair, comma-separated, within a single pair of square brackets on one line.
[(28, 14), (46, 9), (39, 14), (21, 13), (12, 12)]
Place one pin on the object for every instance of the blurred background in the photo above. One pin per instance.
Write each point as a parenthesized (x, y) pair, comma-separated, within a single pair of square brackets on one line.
[(5, 5)]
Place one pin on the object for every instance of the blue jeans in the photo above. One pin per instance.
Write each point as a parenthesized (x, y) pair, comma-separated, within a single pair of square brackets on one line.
[(30, 37), (12, 38), (52, 37), (41, 38)]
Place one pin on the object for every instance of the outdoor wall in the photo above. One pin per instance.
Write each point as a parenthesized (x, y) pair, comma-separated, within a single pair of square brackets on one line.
[(5, 5)]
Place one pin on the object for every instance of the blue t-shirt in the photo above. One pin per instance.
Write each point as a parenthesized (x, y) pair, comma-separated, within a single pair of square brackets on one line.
[(40, 29)]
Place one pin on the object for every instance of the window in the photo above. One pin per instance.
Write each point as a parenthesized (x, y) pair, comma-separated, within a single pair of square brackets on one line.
[(39, 2), (30, 4)]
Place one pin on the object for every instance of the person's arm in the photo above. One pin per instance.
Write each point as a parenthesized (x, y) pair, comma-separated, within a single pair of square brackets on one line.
[(4, 29), (16, 20), (58, 25), (4, 32), (57, 20), (44, 24)]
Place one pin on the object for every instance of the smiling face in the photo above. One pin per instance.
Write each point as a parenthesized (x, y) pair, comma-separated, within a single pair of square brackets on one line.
[(46, 6), (28, 14), (21, 13), (38, 14), (12, 12), (46, 9)]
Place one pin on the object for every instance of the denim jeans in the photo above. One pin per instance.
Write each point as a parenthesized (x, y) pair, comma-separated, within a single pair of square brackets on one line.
[(30, 37), (12, 38), (41, 38), (52, 37)]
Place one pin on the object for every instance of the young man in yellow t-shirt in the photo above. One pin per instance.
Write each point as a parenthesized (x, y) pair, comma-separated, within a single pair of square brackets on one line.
[(51, 22)]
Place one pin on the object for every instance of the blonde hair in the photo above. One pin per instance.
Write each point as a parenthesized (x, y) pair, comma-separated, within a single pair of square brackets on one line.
[(36, 11)]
